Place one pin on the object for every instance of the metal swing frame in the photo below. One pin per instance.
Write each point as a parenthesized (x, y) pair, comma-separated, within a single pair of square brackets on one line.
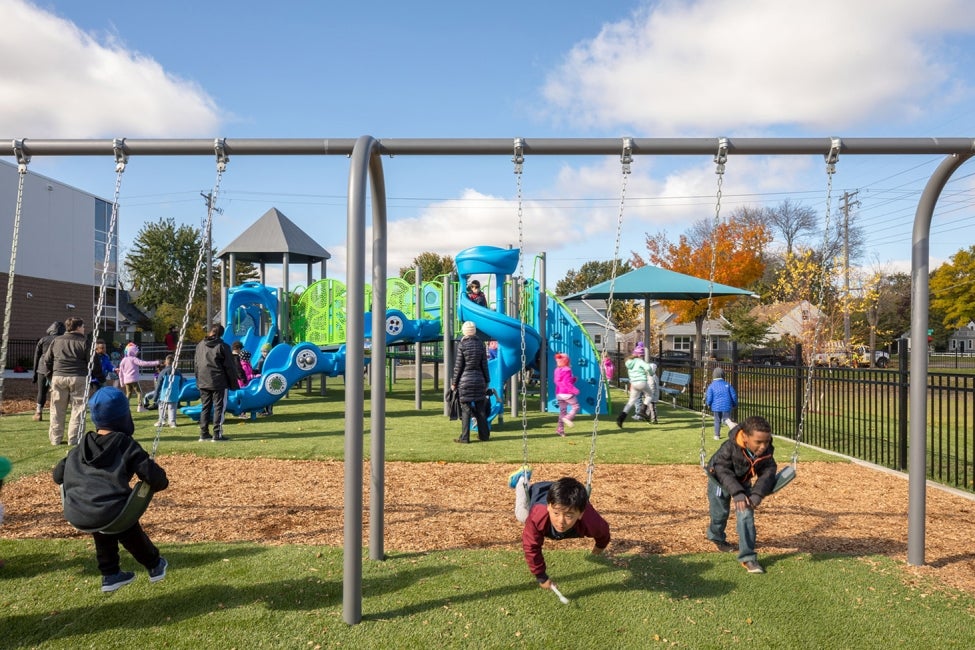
[(366, 171)]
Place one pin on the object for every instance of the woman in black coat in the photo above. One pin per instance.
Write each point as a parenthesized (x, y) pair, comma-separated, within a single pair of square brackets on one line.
[(471, 381)]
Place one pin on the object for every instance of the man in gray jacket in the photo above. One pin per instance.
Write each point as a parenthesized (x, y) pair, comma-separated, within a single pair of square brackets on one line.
[(66, 363), (216, 371)]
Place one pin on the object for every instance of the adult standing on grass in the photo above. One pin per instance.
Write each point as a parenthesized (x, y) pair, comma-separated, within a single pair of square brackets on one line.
[(471, 380), (216, 371), (66, 362), (41, 378)]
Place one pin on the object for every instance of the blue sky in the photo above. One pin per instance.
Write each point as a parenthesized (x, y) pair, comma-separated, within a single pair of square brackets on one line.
[(765, 68)]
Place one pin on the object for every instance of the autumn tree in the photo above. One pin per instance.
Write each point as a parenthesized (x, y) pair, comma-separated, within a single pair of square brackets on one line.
[(626, 314), (738, 248), (953, 289), (431, 266)]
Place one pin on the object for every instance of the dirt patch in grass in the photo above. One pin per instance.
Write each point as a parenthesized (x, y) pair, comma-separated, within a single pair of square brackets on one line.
[(829, 508)]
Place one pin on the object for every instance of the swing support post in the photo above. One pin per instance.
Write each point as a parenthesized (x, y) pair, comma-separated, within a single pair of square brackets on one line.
[(920, 295), (365, 161)]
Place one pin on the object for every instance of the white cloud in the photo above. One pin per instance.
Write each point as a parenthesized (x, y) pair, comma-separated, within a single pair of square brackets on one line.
[(678, 66), (59, 82)]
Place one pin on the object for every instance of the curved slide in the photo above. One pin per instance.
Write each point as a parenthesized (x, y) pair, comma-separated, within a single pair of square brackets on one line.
[(507, 332), (285, 366)]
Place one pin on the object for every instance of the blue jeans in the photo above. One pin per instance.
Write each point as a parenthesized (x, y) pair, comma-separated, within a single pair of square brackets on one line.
[(719, 507), (719, 417)]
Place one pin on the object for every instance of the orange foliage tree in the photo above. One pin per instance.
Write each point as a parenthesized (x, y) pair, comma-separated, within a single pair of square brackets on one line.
[(739, 249)]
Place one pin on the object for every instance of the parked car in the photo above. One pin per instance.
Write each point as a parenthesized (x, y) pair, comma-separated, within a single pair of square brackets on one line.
[(857, 357), (675, 357), (770, 357)]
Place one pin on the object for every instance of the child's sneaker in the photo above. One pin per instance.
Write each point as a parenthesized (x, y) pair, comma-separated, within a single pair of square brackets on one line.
[(753, 567), (525, 470), (568, 422), (157, 574), (117, 581)]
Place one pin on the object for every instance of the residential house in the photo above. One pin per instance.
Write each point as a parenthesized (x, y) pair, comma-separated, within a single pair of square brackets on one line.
[(963, 340)]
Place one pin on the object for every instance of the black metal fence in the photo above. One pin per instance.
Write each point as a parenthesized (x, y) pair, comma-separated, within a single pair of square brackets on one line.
[(859, 412)]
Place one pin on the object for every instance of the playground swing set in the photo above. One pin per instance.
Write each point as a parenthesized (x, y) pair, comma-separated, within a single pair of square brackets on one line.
[(365, 165)]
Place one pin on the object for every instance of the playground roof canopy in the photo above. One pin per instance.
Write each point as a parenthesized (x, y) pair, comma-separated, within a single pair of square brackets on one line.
[(653, 282), (272, 236)]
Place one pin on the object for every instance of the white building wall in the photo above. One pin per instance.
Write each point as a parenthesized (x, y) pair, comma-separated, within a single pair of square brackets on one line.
[(57, 228)]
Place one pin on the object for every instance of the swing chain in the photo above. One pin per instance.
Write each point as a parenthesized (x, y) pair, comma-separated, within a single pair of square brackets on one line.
[(626, 157), (220, 148), (22, 158), (518, 292), (121, 157), (720, 160), (721, 157), (118, 144), (519, 156), (832, 157)]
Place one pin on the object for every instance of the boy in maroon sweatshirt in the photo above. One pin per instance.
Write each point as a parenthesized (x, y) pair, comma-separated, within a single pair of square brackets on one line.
[(554, 510)]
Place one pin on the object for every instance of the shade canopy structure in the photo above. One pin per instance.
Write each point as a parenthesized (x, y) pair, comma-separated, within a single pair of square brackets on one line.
[(655, 283)]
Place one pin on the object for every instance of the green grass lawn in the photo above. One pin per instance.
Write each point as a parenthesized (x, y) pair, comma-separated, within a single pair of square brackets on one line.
[(253, 596)]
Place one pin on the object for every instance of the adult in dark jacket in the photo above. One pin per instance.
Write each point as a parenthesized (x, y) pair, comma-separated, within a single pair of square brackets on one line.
[(41, 377), (216, 371), (95, 483), (66, 363), (470, 380)]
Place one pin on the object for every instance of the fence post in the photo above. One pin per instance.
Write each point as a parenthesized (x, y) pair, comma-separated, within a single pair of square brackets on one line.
[(800, 391), (902, 398)]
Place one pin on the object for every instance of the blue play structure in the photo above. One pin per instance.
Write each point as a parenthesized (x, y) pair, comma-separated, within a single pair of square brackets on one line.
[(563, 332), (252, 317), (252, 308)]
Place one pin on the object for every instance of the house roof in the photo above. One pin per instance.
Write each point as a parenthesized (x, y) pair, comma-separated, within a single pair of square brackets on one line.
[(272, 236), (649, 282), (130, 312), (774, 312)]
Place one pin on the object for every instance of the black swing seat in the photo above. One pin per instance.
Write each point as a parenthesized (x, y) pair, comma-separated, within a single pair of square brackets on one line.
[(134, 508), (783, 478)]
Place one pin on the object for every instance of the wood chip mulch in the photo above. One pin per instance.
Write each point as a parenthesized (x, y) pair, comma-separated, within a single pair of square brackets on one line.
[(830, 508)]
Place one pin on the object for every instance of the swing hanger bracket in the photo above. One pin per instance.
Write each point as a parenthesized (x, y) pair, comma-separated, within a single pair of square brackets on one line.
[(834, 155), (626, 157), (121, 157), (22, 158), (220, 149), (721, 157), (519, 154)]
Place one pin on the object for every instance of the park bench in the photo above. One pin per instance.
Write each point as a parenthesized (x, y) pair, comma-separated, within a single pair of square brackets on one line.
[(674, 383)]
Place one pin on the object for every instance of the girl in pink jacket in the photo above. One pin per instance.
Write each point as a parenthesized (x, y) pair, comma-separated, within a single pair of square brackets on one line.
[(129, 369), (565, 392)]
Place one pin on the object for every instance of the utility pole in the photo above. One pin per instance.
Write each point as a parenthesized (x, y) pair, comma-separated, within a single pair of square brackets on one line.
[(845, 207), (208, 238)]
